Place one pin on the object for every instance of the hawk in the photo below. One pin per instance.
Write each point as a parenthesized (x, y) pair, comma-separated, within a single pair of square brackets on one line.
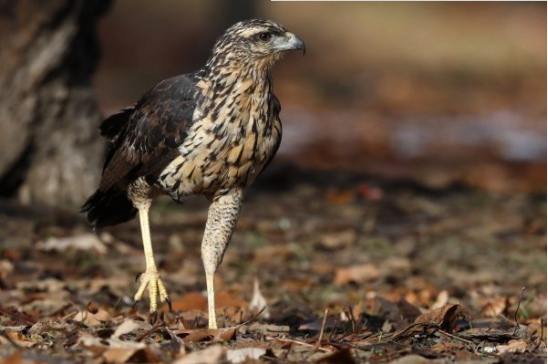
[(208, 133)]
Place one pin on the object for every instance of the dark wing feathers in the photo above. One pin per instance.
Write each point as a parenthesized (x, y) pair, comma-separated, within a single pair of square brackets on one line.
[(111, 128), (145, 137)]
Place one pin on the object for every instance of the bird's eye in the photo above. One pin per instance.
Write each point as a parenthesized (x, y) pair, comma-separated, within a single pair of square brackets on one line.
[(265, 37)]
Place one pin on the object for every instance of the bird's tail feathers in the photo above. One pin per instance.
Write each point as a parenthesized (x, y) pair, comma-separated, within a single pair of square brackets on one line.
[(108, 208)]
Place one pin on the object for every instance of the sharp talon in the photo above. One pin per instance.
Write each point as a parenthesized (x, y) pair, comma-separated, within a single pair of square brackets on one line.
[(134, 304), (169, 303), (153, 317), (137, 276)]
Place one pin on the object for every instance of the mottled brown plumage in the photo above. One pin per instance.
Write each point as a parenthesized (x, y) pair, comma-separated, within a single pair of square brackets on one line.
[(211, 132)]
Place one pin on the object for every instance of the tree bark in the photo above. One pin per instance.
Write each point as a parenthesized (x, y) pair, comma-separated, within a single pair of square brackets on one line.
[(50, 151)]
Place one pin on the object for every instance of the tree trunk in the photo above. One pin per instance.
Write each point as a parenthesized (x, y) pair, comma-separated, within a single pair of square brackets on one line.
[(50, 150)]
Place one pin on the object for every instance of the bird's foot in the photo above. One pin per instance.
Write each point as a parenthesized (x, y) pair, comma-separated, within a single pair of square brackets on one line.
[(151, 279)]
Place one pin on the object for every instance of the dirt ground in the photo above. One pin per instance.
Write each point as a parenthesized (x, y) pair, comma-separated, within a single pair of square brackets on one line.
[(351, 270)]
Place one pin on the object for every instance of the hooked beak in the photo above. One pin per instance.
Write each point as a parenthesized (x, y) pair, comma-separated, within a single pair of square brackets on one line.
[(296, 42), (291, 42)]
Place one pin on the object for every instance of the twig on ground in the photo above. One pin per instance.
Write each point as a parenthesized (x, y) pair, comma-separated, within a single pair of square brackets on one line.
[(516, 328), (455, 337), (303, 344), (68, 316), (352, 318), (322, 329), (150, 331), (337, 321), (253, 318)]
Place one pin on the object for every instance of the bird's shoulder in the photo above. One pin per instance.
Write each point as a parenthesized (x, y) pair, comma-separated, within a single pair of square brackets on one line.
[(145, 136), (163, 115)]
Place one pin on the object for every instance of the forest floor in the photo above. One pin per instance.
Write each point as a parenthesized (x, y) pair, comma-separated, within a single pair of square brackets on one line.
[(350, 271)]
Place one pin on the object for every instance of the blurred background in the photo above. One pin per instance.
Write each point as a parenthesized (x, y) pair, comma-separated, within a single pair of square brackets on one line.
[(436, 93)]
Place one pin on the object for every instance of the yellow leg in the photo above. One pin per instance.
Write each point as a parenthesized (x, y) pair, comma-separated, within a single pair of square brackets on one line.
[(210, 281), (150, 278)]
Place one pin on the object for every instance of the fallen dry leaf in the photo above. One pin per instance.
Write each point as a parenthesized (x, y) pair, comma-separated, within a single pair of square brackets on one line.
[(91, 343), (444, 317), (197, 335), (412, 359), (121, 351), (407, 310), (19, 339), (513, 346), (84, 242), (243, 354), (258, 302), (495, 306), (129, 326), (453, 348), (92, 319), (388, 310), (193, 318), (267, 329), (357, 274), (112, 350), (338, 357), (339, 239), (441, 300), (212, 355), (197, 301)]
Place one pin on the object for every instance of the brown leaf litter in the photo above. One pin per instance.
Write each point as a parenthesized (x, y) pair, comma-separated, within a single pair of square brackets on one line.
[(319, 273)]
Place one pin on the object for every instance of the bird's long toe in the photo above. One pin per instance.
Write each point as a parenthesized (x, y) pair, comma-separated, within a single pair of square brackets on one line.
[(152, 281)]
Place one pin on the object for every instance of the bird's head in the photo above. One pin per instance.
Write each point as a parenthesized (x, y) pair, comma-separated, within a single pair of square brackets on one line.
[(255, 42)]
